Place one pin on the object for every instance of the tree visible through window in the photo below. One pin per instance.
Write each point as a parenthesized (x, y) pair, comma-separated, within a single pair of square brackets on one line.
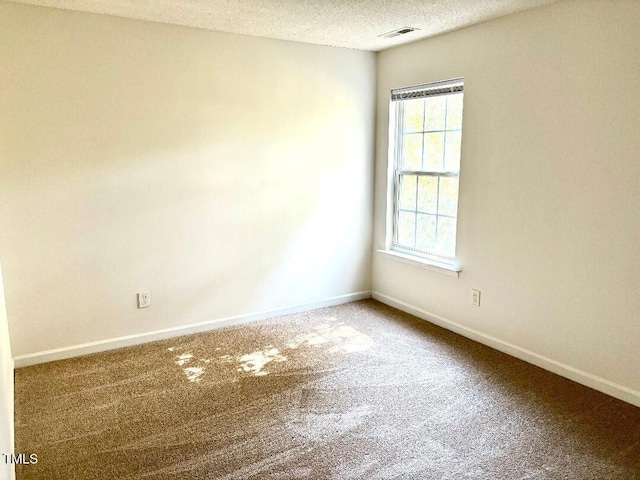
[(428, 132)]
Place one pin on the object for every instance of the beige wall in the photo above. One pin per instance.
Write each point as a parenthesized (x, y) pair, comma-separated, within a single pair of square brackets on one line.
[(548, 213), (225, 174), (6, 391)]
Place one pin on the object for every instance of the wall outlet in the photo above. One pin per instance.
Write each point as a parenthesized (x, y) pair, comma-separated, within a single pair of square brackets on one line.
[(475, 297), (144, 300)]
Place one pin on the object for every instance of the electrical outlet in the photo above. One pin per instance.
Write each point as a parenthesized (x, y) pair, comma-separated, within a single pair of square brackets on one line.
[(144, 300), (475, 297)]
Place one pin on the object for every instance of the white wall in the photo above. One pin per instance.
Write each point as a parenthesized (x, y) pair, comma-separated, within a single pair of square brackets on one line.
[(548, 212), (6, 391), (225, 174)]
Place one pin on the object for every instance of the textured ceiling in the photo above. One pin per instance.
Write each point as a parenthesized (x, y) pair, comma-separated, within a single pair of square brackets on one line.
[(343, 23)]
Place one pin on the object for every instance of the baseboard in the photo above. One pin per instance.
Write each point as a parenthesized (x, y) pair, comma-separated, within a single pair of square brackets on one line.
[(597, 383), (130, 340)]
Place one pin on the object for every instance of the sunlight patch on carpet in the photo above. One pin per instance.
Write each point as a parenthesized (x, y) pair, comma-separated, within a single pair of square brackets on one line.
[(341, 337), (255, 362), (193, 372)]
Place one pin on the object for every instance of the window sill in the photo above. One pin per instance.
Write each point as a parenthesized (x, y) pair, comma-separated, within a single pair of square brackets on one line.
[(450, 270)]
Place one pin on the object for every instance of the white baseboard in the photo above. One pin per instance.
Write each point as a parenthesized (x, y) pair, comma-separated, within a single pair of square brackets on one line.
[(597, 383), (140, 338)]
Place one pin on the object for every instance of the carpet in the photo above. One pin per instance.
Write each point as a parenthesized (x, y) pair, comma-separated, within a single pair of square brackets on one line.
[(356, 391)]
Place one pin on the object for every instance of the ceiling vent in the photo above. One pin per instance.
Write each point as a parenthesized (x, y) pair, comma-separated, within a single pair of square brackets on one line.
[(398, 32)]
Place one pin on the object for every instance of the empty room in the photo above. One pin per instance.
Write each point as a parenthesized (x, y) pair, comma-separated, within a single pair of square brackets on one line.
[(319, 239)]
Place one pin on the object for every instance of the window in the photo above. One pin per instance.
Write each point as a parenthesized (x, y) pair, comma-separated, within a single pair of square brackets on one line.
[(426, 132)]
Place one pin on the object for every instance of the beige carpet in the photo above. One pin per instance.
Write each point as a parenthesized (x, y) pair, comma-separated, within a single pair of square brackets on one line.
[(358, 391)]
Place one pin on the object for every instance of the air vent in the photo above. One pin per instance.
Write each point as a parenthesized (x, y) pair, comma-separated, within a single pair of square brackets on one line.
[(398, 32)]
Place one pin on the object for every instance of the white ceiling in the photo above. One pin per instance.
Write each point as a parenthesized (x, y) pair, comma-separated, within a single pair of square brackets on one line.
[(343, 23)]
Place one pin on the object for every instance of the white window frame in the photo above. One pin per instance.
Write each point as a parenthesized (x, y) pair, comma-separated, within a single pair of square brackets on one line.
[(430, 260)]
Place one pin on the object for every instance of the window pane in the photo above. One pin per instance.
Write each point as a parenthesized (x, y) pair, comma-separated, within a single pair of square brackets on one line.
[(412, 151), (426, 203), (406, 229), (428, 194), (407, 198), (435, 108), (452, 151), (448, 196), (454, 111), (433, 151), (426, 232), (413, 115), (447, 236)]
